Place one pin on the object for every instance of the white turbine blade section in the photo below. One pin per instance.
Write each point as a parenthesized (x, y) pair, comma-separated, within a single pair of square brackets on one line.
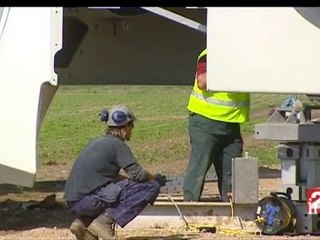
[(29, 41), (177, 18), (266, 50)]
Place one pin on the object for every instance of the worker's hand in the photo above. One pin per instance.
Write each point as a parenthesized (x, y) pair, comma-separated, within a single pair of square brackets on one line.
[(202, 81), (160, 179)]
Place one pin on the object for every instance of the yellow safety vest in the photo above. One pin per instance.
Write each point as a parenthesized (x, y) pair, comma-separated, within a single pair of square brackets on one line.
[(221, 106)]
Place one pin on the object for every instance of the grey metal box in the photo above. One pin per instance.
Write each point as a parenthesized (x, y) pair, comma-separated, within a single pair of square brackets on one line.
[(245, 180)]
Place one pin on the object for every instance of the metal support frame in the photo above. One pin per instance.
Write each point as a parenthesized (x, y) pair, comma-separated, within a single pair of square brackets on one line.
[(172, 214), (174, 184), (299, 152)]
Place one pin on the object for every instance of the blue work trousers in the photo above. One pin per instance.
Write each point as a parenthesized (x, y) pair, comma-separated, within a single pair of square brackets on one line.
[(123, 207)]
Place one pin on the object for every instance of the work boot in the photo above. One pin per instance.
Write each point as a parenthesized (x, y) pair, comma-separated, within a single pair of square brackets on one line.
[(78, 228), (103, 227)]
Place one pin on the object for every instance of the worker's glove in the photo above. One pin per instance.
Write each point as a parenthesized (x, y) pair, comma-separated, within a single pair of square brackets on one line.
[(160, 179)]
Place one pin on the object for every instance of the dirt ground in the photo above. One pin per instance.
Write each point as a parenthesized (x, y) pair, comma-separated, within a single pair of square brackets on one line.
[(22, 217)]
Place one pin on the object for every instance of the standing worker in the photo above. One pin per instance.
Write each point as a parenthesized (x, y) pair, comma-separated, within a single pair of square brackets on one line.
[(95, 191), (214, 130)]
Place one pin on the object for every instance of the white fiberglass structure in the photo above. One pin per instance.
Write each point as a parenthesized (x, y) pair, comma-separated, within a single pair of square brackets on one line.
[(29, 39), (264, 49)]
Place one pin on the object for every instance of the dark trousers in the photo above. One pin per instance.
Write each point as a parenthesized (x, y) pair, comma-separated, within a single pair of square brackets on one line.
[(132, 199), (212, 142)]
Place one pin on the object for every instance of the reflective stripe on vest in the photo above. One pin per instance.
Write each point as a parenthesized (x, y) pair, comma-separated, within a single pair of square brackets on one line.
[(213, 100)]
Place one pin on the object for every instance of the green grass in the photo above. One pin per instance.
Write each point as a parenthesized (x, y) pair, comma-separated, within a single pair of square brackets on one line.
[(160, 134)]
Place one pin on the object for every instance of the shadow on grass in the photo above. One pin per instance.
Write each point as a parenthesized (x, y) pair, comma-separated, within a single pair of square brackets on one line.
[(24, 208), (26, 215), (41, 186)]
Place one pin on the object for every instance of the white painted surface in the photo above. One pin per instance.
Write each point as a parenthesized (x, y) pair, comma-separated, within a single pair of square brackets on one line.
[(27, 47), (262, 49)]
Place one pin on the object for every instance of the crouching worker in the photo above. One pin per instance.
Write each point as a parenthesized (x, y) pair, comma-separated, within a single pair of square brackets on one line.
[(95, 191)]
